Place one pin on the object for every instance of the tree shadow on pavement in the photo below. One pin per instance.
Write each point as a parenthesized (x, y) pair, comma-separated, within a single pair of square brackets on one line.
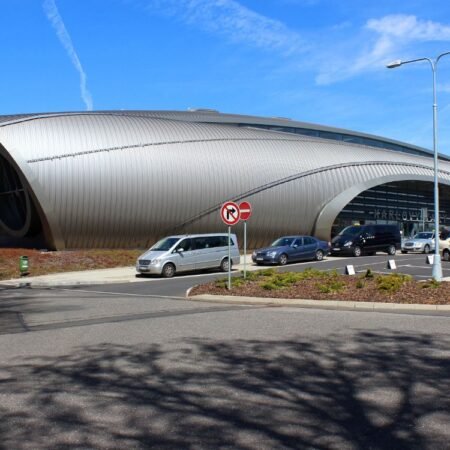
[(379, 390)]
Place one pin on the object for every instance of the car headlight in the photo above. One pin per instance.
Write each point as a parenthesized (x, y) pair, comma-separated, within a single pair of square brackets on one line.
[(271, 254), (254, 255), (156, 261), (348, 243), (418, 245)]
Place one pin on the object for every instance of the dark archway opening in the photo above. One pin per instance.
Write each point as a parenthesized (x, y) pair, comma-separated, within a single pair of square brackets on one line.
[(409, 204), (19, 221)]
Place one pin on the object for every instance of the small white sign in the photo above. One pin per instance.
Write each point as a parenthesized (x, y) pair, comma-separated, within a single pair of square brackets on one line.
[(349, 270), (430, 259), (391, 264)]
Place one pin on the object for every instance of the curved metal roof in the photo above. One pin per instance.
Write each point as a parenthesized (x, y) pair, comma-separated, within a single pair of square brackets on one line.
[(122, 179), (212, 116)]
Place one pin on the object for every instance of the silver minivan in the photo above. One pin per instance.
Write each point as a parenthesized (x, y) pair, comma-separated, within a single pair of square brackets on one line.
[(188, 252)]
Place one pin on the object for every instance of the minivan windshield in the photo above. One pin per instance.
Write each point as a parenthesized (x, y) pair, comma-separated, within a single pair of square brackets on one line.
[(350, 231), (164, 244)]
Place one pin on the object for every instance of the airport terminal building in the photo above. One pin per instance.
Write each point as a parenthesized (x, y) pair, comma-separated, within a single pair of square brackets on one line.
[(123, 179)]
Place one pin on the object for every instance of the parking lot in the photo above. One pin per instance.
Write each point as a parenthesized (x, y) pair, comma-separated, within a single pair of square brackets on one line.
[(153, 285), (411, 264)]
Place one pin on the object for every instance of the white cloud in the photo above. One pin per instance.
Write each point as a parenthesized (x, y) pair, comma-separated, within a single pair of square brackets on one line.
[(234, 21), (55, 19), (389, 38), (409, 28)]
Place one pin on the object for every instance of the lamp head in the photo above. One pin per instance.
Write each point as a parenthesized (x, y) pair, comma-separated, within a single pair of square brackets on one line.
[(394, 64)]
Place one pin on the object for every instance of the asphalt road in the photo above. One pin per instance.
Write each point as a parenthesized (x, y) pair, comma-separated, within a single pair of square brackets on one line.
[(84, 369)]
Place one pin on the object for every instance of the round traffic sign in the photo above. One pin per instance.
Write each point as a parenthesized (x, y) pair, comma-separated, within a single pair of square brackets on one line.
[(230, 213), (246, 210)]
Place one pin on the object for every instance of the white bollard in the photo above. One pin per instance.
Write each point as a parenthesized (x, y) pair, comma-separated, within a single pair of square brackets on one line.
[(349, 270), (391, 264)]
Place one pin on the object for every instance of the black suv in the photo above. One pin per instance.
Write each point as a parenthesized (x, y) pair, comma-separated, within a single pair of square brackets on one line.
[(367, 239)]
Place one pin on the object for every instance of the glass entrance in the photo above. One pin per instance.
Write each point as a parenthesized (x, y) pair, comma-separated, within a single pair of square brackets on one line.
[(410, 204)]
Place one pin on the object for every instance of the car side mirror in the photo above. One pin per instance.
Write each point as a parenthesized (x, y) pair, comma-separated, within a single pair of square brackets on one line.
[(180, 250)]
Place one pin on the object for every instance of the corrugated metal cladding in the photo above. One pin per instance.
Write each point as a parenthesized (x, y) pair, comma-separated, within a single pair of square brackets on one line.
[(124, 179)]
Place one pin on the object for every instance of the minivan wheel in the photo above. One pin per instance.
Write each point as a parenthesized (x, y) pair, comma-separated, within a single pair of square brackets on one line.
[(224, 265), (319, 255), (446, 255), (391, 250), (357, 251), (282, 260), (168, 270), (426, 249)]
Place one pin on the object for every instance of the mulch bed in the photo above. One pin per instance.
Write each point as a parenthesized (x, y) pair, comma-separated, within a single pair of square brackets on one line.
[(411, 292), (43, 263)]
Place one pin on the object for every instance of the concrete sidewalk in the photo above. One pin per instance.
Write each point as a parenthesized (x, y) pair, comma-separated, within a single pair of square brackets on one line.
[(97, 276)]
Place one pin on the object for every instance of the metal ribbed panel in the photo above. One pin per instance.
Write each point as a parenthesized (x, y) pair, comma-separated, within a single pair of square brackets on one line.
[(124, 180)]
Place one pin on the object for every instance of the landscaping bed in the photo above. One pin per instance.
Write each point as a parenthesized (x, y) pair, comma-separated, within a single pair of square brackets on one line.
[(326, 285), (43, 263)]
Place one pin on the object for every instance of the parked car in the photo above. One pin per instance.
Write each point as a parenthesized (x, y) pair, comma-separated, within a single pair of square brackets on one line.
[(188, 252), (291, 248), (422, 242), (444, 245), (368, 239)]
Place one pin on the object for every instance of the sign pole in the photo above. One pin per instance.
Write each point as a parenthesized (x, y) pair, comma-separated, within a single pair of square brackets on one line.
[(245, 209), (229, 258), (245, 249), (230, 215)]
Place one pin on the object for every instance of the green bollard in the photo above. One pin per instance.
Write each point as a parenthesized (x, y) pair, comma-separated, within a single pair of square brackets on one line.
[(23, 265)]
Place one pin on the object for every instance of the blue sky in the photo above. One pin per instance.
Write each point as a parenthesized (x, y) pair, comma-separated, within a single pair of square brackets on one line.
[(320, 61)]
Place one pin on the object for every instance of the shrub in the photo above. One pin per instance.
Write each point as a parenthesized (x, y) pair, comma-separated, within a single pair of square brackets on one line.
[(331, 286), (431, 284), (289, 278), (251, 276), (267, 272), (223, 282), (281, 280), (359, 284), (368, 274), (270, 286), (393, 282), (311, 273)]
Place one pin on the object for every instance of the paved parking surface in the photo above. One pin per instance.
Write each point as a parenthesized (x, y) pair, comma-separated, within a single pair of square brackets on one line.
[(411, 264), (177, 287)]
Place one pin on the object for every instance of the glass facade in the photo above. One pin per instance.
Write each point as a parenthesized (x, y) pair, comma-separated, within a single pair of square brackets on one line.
[(361, 140), (410, 204)]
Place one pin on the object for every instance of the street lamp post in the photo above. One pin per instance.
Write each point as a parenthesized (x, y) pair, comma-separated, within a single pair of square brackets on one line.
[(437, 267)]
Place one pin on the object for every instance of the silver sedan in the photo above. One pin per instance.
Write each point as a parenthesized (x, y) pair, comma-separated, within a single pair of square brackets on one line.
[(421, 243)]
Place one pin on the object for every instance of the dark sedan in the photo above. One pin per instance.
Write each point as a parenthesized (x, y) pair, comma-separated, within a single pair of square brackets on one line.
[(291, 248)]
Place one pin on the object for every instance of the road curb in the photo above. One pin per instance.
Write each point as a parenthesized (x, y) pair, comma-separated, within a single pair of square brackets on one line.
[(321, 304), (34, 284)]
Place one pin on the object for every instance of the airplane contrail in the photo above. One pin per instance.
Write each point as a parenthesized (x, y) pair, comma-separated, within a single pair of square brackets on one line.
[(55, 19)]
